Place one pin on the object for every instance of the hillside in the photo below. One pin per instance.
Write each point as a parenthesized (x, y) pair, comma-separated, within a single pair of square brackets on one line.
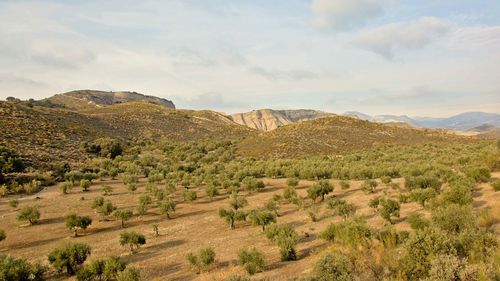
[(87, 99), (269, 119), (44, 134), (334, 135)]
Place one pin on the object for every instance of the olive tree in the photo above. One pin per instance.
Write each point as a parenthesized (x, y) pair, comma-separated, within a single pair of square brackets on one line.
[(167, 206), (319, 189), (75, 222), (123, 215), (231, 216), (422, 195), (13, 269), (389, 208), (133, 239), (85, 184), (342, 208), (69, 256), (262, 218), (29, 213)]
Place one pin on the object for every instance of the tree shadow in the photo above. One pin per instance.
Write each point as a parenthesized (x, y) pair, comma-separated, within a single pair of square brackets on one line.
[(194, 213), (51, 220), (153, 250), (35, 243)]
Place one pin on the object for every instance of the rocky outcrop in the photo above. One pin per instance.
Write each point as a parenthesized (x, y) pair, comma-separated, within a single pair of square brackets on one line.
[(269, 119)]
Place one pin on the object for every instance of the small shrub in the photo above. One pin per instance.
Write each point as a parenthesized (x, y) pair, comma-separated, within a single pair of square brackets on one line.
[(107, 190), (292, 182), (65, 186), (496, 185), (344, 185), (13, 203), (417, 221), (204, 258), (85, 184), (251, 259), (368, 186)]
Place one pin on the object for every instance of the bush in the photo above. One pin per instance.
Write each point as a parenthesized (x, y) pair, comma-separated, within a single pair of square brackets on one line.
[(205, 257), (389, 208), (289, 193), (30, 214), (292, 182), (107, 190), (133, 239), (69, 256), (13, 203), (189, 195), (422, 195), (286, 238), (251, 259), (496, 185), (385, 179), (333, 267), (344, 185), (13, 269), (368, 186), (65, 186), (129, 274), (479, 174), (108, 269), (85, 184), (419, 249), (342, 208), (417, 221)]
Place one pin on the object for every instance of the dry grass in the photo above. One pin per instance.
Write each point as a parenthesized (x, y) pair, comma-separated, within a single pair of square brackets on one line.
[(194, 225)]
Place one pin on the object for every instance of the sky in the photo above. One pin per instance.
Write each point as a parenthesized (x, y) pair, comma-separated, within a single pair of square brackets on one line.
[(418, 58)]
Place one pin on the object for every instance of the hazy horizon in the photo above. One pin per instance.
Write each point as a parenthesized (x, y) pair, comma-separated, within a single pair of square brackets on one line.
[(431, 58)]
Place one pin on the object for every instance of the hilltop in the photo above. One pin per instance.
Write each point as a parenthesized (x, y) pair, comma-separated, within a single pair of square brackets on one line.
[(87, 99), (334, 135), (269, 119)]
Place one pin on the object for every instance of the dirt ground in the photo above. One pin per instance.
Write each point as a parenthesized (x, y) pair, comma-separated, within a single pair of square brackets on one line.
[(193, 226)]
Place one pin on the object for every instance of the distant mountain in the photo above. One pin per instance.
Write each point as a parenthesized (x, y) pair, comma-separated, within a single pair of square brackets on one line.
[(269, 119), (87, 99), (462, 122)]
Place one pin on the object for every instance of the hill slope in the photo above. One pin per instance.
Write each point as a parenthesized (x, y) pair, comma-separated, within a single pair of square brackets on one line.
[(44, 134), (86, 99), (269, 119), (333, 135)]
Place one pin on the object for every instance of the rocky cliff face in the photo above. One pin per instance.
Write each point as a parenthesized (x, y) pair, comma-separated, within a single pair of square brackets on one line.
[(268, 119), (84, 99)]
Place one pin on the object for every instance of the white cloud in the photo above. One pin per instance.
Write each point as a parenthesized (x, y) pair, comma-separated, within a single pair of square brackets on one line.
[(386, 40), (343, 14)]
